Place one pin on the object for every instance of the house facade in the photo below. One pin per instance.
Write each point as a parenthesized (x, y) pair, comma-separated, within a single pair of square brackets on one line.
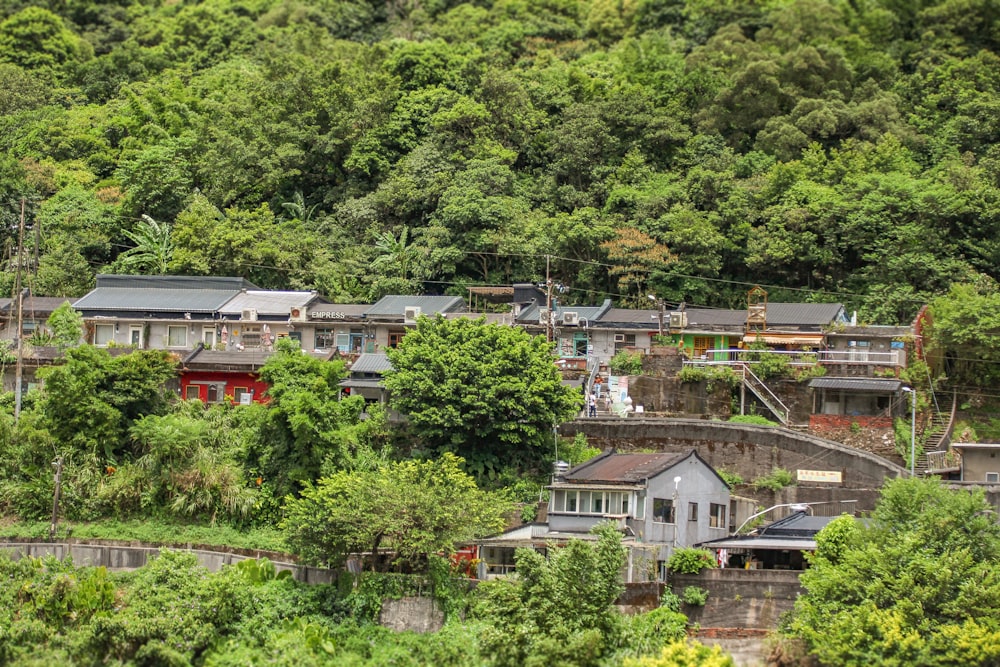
[(660, 502)]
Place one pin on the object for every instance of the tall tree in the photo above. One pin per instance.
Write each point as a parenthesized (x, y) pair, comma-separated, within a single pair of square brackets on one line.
[(489, 393)]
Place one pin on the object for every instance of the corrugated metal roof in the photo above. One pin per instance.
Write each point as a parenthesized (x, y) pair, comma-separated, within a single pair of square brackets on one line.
[(361, 383), (394, 305), (34, 304), (856, 384), (630, 468), (249, 359), (762, 543), (267, 302), (155, 300), (371, 362)]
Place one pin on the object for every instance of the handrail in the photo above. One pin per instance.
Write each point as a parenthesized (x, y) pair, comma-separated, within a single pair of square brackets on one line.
[(781, 412), (859, 357)]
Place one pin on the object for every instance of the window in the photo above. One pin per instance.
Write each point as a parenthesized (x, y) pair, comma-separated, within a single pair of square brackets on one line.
[(395, 337), (327, 338), (177, 336), (692, 511), (571, 501), (640, 505), (103, 334), (702, 344), (238, 393), (590, 502), (992, 477), (627, 340), (192, 392), (251, 336), (663, 510), (214, 394), (716, 515)]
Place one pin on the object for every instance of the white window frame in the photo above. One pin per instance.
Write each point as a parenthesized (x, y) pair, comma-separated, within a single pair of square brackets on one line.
[(993, 478), (135, 329), (172, 327), (209, 336)]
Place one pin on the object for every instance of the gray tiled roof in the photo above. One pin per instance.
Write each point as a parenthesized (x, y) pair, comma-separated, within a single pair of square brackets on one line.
[(804, 314), (371, 362), (174, 282), (268, 302), (394, 305), (155, 300)]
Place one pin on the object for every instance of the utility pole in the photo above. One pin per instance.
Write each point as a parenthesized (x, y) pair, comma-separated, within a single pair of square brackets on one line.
[(548, 302), (58, 465), (20, 317)]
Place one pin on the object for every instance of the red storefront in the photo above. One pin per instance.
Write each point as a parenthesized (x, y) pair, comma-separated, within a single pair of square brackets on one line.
[(212, 376)]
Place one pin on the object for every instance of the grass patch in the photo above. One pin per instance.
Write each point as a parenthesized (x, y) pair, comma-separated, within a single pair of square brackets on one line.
[(152, 531)]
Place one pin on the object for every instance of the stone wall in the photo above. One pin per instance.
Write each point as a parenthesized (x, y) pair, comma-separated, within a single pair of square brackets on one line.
[(753, 599)]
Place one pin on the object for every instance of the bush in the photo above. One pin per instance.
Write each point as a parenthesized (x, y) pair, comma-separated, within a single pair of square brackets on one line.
[(626, 363), (777, 480), (694, 596), (752, 419), (688, 560)]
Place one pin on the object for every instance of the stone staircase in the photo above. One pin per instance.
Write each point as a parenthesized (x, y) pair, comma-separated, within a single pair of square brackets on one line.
[(937, 455)]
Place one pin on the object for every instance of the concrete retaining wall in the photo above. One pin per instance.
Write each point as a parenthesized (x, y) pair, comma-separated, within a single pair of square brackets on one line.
[(130, 557), (750, 451), (752, 599)]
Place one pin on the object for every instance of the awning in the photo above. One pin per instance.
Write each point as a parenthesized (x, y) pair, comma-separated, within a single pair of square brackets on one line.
[(360, 383), (786, 339), (762, 543), (857, 384)]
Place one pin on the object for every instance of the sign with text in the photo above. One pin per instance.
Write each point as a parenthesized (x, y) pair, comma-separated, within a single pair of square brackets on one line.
[(833, 476)]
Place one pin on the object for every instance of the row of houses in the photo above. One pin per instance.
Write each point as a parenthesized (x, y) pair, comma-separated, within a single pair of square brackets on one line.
[(224, 328)]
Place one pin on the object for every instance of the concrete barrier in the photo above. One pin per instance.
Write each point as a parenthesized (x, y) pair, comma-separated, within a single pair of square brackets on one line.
[(132, 556)]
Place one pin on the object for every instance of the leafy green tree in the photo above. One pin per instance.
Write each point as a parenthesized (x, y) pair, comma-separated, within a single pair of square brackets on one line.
[(411, 509), (91, 399), (917, 585), (961, 333), (35, 38), (308, 426), (489, 393), (66, 325), (153, 250), (581, 580)]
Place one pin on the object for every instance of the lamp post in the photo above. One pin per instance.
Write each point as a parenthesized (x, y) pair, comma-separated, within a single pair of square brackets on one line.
[(913, 428)]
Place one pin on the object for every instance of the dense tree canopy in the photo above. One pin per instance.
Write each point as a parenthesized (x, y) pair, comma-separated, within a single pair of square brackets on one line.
[(489, 393), (689, 148), (918, 586)]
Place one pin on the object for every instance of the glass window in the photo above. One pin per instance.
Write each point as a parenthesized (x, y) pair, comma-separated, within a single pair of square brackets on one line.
[(663, 510), (584, 502), (559, 501), (344, 342), (103, 334), (692, 511), (192, 392), (571, 501), (395, 337), (214, 394), (326, 338), (177, 336), (597, 506), (717, 515), (627, 340), (238, 393)]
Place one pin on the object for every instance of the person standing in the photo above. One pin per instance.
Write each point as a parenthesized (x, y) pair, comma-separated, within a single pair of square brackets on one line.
[(592, 405)]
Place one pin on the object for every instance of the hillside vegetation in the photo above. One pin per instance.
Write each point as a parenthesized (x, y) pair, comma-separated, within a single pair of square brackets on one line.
[(830, 150)]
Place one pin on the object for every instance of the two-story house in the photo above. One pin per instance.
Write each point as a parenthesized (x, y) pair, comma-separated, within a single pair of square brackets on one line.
[(659, 501)]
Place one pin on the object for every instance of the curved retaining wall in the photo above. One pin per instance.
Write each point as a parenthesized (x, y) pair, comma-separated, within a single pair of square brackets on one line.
[(131, 557), (750, 451)]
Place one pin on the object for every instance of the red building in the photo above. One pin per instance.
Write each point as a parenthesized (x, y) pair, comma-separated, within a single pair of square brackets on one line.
[(214, 376)]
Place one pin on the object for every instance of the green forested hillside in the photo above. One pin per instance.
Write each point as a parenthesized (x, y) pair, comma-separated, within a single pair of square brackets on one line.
[(844, 148)]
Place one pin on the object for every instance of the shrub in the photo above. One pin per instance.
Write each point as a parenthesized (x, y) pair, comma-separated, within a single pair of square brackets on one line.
[(777, 480), (733, 479), (752, 419), (626, 363), (688, 560), (694, 596)]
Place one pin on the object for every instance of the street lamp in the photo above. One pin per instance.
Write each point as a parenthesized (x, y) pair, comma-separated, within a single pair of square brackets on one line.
[(913, 427)]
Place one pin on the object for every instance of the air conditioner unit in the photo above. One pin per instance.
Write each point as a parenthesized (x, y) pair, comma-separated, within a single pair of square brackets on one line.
[(544, 316), (297, 314), (249, 315), (571, 317), (411, 313), (619, 338), (678, 319)]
